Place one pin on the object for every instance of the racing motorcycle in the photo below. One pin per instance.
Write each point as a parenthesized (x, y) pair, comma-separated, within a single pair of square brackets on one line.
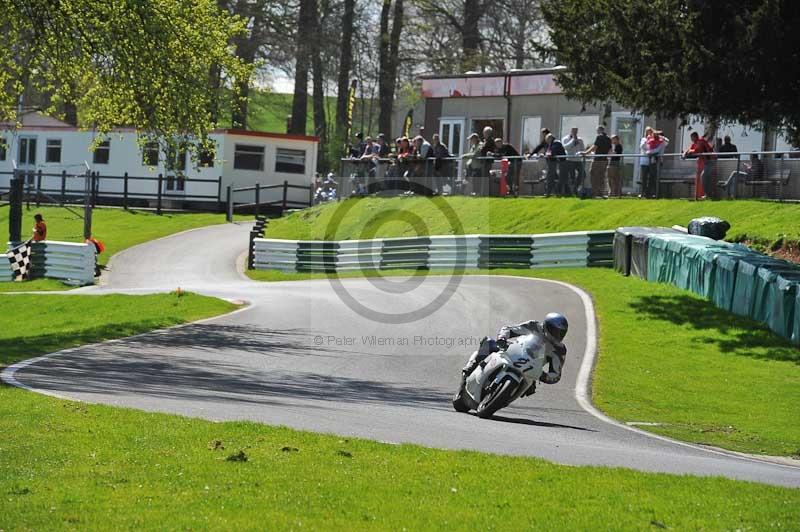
[(502, 377)]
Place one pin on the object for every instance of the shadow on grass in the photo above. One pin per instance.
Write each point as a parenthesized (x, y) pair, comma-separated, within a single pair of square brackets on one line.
[(730, 333)]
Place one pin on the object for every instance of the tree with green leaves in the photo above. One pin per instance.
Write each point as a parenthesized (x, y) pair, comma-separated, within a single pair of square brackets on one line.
[(726, 60), (143, 64)]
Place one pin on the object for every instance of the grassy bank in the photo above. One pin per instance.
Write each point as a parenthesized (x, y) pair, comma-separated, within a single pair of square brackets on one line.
[(74, 465), (672, 358), (363, 218), (118, 229)]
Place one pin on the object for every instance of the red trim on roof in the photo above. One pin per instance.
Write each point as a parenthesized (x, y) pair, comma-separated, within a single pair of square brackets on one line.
[(248, 133)]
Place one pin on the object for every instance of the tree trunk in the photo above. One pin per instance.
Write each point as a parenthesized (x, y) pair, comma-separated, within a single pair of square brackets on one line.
[(241, 105), (389, 59), (470, 35), (320, 122), (306, 26), (345, 66)]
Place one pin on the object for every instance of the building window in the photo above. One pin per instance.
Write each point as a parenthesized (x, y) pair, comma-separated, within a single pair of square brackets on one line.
[(102, 154), (290, 161), (52, 152), (150, 154), (3, 148), (586, 124), (176, 159), (246, 157), (531, 133), (27, 151)]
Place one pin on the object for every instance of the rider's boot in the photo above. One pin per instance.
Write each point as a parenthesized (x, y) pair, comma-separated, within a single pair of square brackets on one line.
[(487, 346)]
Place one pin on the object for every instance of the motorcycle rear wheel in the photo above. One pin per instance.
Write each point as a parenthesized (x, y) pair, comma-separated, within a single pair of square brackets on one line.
[(498, 398)]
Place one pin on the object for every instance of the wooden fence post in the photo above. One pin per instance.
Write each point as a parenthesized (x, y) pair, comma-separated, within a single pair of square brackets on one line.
[(63, 186), (94, 187), (38, 187), (125, 191), (228, 205), (158, 194)]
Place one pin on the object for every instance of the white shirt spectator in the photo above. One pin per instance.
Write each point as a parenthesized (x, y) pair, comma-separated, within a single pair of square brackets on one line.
[(573, 146)]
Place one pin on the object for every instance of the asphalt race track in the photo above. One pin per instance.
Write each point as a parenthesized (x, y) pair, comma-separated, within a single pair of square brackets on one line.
[(299, 356)]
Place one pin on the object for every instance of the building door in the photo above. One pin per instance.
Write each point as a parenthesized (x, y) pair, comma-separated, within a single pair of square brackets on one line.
[(629, 129), (26, 158), (451, 133)]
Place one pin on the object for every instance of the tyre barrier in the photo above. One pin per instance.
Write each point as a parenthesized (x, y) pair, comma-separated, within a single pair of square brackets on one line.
[(733, 277), (556, 250), (66, 261)]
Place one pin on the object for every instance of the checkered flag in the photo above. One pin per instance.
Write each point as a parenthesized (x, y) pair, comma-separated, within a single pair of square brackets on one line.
[(20, 259)]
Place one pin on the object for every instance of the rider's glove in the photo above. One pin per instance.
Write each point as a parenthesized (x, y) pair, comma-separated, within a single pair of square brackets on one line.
[(502, 342)]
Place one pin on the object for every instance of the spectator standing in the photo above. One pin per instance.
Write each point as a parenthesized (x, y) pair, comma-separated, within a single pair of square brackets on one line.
[(441, 165), (614, 167), (383, 146), (700, 150), (370, 156), (574, 146), (486, 153), (727, 147), (39, 228), (358, 148), (424, 151), (472, 164), (597, 175), (542, 146), (507, 151), (557, 179)]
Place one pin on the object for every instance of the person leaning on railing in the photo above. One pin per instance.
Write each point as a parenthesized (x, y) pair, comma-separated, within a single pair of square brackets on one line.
[(557, 176), (470, 158)]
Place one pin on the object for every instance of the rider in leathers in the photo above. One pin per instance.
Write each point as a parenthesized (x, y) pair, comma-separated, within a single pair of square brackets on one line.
[(552, 329)]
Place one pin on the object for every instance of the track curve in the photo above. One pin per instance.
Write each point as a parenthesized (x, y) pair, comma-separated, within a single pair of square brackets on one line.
[(297, 356)]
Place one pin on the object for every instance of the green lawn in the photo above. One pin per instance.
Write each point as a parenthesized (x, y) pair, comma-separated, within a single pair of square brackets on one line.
[(362, 218), (116, 228), (72, 465)]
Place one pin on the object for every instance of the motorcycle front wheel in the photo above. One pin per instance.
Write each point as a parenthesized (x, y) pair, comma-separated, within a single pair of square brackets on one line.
[(498, 398)]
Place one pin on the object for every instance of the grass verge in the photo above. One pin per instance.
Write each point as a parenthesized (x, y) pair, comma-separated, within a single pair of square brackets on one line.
[(380, 217), (118, 229), (73, 465), (670, 357)]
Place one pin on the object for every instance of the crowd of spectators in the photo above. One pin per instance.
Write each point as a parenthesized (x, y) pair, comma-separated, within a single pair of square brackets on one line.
[(567, 161)]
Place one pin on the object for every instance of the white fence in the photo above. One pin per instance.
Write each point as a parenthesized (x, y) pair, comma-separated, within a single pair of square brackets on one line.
[(69, 262), (555, 250)]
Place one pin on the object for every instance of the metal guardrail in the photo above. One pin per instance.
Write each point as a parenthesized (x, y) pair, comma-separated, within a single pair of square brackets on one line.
[(555, 250), (66, 261)]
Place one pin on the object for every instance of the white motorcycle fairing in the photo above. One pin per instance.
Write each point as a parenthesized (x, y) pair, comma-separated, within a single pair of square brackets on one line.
[(523, 361)]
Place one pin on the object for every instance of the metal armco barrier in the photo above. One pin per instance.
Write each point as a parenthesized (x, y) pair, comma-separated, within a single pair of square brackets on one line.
[(555, 250), (65, 261)]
